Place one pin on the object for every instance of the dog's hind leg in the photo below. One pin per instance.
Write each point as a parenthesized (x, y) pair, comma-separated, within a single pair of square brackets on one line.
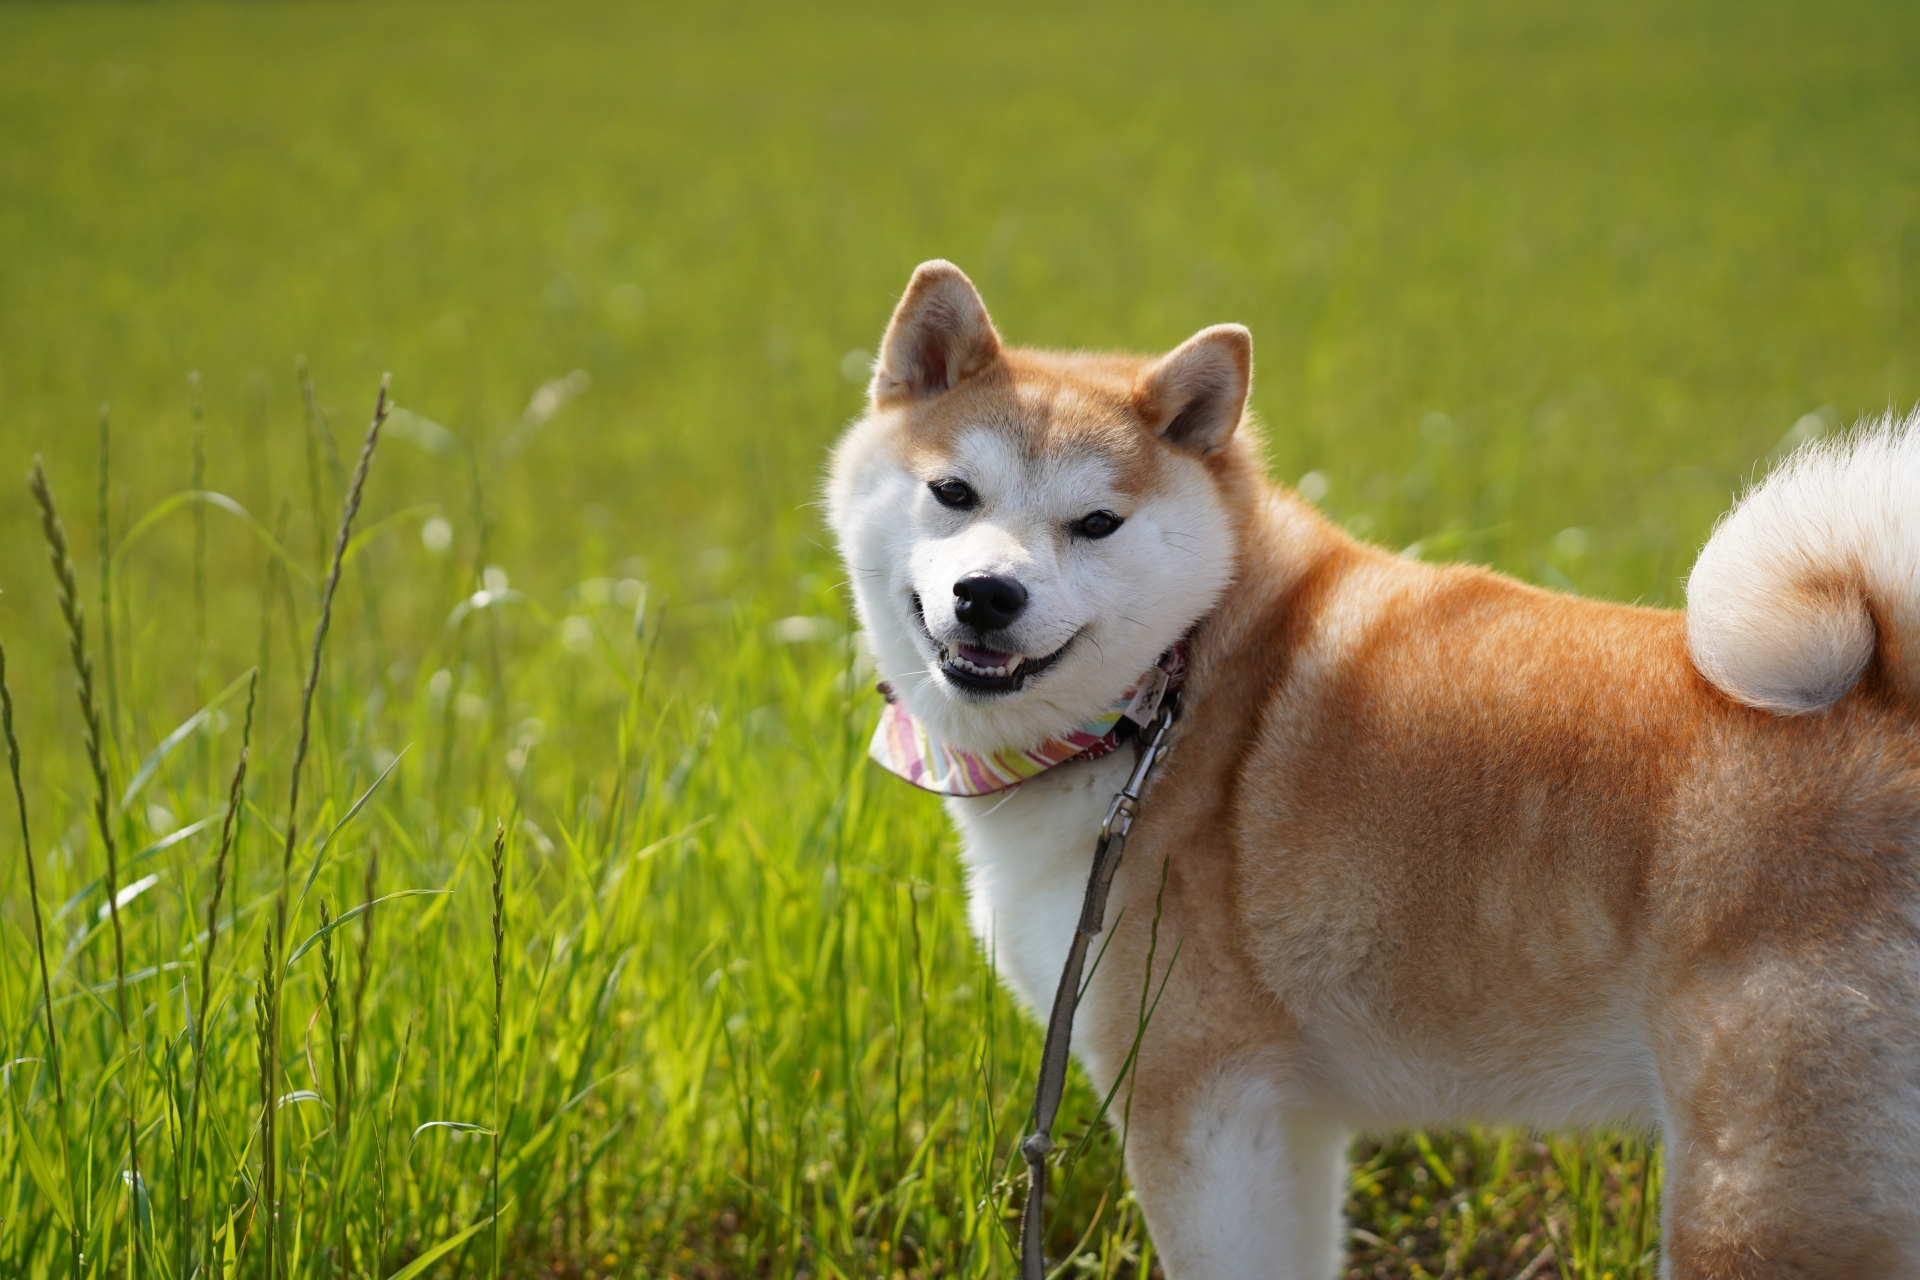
[(1793, 1121), (1238, 1183)]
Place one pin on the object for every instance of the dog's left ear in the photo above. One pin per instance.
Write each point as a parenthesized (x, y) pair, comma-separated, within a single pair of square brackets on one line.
[(939, 335), (1193, 396)]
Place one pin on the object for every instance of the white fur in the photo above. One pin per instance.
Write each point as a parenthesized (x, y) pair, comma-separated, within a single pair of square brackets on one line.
[(1028, 854), (1262, 1201), (1778, 605)]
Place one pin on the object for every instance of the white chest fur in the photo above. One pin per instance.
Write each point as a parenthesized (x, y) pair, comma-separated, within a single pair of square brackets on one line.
[(1028, 852)]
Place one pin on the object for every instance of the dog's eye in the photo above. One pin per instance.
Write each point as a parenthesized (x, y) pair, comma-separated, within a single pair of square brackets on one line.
[(957, 494), (1097, 525)]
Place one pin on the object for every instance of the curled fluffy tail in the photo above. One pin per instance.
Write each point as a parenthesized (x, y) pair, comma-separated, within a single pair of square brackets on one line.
[(1815, 572)]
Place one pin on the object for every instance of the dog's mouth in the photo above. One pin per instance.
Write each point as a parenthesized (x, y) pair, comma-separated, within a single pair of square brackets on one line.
[(982, 670)]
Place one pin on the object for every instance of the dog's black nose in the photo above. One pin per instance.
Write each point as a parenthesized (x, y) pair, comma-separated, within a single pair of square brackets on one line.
[(987, 601)]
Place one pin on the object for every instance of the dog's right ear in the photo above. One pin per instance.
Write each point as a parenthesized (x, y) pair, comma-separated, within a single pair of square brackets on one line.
[(1193, 396), (939, 335)]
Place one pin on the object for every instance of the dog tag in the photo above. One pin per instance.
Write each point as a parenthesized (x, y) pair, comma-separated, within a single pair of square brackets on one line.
[(1146, 702)]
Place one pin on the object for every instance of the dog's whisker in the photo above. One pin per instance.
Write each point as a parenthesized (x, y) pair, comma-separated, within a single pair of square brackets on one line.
[(1005, 796)]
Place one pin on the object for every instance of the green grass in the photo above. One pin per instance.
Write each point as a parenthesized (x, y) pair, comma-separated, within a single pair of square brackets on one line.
[(1531, 285)]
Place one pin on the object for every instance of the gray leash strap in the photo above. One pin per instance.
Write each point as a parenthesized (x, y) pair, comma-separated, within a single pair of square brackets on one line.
[(1053, 1057)]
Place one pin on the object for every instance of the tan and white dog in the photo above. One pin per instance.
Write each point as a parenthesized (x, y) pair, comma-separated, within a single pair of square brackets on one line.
[(1439, 846)]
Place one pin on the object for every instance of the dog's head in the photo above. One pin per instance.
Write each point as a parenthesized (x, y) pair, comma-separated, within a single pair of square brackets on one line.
[(1026, 532)]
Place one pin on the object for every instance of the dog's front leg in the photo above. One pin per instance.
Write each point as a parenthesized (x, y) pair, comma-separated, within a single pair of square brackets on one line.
[(1238, 1180)]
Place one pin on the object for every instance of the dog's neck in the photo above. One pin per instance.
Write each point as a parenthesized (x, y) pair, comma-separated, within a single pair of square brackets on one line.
[(1288, 555)]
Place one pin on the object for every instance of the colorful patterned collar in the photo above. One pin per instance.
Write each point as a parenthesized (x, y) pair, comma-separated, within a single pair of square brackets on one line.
[(905, 748)]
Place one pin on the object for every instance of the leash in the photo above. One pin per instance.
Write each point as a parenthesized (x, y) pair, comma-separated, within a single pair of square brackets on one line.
[(1052, 1083)]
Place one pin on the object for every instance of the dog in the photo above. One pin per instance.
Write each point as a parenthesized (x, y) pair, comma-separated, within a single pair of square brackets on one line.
[(1430, 846)]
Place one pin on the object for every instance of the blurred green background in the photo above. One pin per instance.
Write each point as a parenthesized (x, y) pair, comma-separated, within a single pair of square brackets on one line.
[(1533, 284), (1622, 248)]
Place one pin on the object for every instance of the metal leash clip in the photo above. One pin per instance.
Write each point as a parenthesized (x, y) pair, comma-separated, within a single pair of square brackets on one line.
[(1126, 801)]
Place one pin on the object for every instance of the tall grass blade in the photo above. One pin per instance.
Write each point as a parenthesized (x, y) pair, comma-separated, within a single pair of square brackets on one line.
[(319, 854), (158, 756), (498, 865), (419, 1265), (342, 1104), (319, 935), (370, 890), (57, 1190), (46, 981), (275, 544), (265, 1203), (278, 938), (172, 838), (70, 609), (380, 1225), (228, 828)]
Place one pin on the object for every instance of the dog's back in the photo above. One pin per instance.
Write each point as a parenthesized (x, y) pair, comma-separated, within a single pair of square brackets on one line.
[(1503, 854)]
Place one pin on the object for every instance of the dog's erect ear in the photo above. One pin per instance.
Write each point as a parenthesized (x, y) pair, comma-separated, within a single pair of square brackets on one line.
[(1193, 396), (939, 335)]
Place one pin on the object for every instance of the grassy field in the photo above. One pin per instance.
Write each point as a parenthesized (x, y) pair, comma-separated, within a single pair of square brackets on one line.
[(1536, 286)]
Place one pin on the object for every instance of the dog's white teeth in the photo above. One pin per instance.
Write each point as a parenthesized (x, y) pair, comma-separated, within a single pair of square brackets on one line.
[(992, 673)]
